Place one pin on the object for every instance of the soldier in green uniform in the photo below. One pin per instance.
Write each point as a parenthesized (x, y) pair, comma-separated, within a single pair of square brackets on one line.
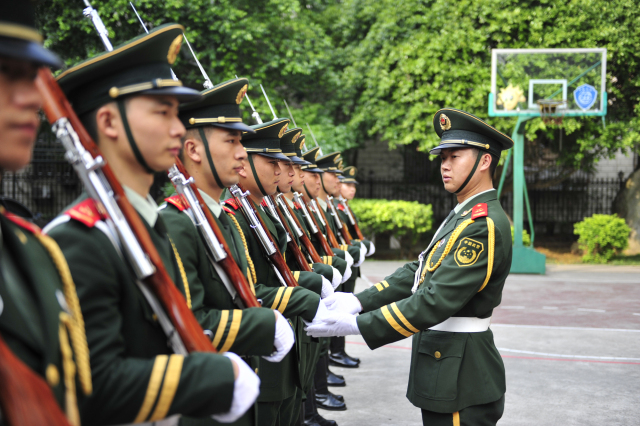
[(282, 383), (347, 192), (446, 298), (129, 103), (40, 318), (213, 155)]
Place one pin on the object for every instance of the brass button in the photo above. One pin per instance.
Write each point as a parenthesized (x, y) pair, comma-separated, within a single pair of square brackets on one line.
[(437, 355), (53, 377)]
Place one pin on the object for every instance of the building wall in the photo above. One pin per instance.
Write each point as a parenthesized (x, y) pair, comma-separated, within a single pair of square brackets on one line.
[(610, 168), (377, 158)]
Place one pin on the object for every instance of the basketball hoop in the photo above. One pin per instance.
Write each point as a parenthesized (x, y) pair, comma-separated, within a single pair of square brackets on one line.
[(548, 109)]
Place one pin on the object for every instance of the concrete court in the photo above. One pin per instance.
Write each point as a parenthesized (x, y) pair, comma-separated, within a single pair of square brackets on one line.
[(570, 341)]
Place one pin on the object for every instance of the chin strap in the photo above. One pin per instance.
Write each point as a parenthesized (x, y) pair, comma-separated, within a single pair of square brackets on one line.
[(307, 191), (255, 175), (206, 149), (322, 182), (473, 171), (132, 142)]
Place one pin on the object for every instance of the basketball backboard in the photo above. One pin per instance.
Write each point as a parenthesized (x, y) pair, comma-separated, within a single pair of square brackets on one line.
[(523, 79)]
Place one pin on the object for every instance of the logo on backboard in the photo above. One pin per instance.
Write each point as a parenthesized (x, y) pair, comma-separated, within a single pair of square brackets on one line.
[(585, 96)]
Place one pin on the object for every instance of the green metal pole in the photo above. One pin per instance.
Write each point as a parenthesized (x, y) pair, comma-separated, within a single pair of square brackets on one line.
[(518, 177), (529, 215), (505, 168)]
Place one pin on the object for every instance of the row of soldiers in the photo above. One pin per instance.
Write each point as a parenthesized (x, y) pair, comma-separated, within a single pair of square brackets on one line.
[(72, 309)]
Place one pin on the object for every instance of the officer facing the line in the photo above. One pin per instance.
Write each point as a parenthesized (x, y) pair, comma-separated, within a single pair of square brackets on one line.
[(446, 298)]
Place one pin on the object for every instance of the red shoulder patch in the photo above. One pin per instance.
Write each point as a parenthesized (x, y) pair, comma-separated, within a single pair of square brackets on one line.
[(341, 207), (297, 206), (479, 210), (85, 212), (22, 223), (264, 203), (232, 203), (228, 210), (178, 201)]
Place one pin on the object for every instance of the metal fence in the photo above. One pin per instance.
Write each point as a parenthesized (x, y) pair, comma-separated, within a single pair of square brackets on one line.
[(563, 204)]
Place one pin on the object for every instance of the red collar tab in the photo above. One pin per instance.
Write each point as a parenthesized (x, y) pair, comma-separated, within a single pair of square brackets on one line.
[(341, 207), (297, 206), (178, 201), (263, 203), (228, 210), (231, 202), (22, 223), (85, 212), (479, 210)]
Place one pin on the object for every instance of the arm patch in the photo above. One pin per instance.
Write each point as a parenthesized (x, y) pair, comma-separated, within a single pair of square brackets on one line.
[(178, 202), (479, 210), (85, 212)]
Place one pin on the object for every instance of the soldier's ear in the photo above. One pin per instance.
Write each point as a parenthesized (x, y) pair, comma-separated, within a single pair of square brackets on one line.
[(191, 150), (108, 122), (485, 163)]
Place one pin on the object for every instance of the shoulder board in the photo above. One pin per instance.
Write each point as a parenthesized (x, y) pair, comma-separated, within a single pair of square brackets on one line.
[(228, 210), (22, 223), (479, 210), (177, 201), (232, 203), (297, 206), (85, 212), (341, 207)]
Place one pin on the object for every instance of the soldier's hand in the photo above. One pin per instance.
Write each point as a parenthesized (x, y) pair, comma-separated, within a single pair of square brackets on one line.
[(334, 325), (344, 303), (336, 278), (246, 388), (363, 253), (327, 288), (372, 249), (348, 259), (283, 339)]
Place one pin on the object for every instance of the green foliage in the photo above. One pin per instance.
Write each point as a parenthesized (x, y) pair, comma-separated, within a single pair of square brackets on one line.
[(407, 219), (601, 236), (526, 238)]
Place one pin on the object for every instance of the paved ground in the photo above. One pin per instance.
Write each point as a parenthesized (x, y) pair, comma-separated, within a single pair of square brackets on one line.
[(570, 341)]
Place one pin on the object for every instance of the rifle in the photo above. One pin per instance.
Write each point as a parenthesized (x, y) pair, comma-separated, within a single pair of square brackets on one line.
[(344, 232), (303, 264), (218, 251), (306, 242), (331, 237), (262, 234), (313, 225), (177, 321), (26, 399), (352, 219)]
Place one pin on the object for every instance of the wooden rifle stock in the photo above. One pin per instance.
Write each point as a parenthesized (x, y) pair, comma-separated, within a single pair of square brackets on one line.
[(56, 106), (293, 246), (323, 240), (26, 399), (345, 233), (331, 237), (276, 258), (306, 242), (229, 265)]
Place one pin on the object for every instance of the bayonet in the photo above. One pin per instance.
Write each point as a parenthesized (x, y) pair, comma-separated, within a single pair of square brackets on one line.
[(92, 14), (254, 114), (314, 139), (207, 82), (290, 115), (268, 102)]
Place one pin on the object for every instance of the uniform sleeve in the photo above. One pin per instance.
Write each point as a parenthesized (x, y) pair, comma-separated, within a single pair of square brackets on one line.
[(310, 280), (336, 262), (462, 273), (324, 270), (289, 301), (133, 389), (394, 287)]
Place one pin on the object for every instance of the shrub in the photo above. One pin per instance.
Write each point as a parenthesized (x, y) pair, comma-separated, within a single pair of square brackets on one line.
[(601, 236), (526, 238), (407, 219)]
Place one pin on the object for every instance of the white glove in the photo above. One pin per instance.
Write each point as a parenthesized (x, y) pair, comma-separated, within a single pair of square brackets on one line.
[(348, 259), (336, 279), (372, 249), (363, 253), (347, 272), (246, 389), (321, 314), (344, 303), (337, 325), (327, 288), (283, 339)]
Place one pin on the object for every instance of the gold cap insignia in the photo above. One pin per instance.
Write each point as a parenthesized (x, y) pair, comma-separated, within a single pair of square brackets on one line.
[(241, 94), (295, 138), (468, 252), (445, 122), (174, 49), (352, 172), (315, 156), (284, 129)]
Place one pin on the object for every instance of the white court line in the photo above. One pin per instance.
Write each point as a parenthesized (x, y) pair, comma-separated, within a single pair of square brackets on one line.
[(611, 358), (554, 327), (636, 314), (549, 307), (512, 307), (591, 310)]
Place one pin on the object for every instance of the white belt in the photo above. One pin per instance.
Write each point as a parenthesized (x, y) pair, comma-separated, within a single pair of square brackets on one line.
[(169, 421), (463, 325)]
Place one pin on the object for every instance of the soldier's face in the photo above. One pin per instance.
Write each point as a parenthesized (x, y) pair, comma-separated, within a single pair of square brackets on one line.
[(287, 176), (156, 129), (267, 170), (298, 179), (227, 154), (456, 166), (331, 182), (20, 102), (348, 190), (312, 181)]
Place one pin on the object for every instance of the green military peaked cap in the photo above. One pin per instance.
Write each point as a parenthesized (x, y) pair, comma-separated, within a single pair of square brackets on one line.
[(19, 38), (329, 162), (299, 144), (288, 144), (349, 175), (459, 129), (266, 139), (310, 156), (141, 66), (219, 106)]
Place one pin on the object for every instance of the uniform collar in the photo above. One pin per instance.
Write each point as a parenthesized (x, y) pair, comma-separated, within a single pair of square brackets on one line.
[(468, 200), (322, 203), (213, 205), (146, 207)]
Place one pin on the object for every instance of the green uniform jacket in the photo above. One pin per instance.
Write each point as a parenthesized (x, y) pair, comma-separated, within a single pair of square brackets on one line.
[(468, 263), (31, 302), (245, 332), (136, 378), (342, 214), (279, 381)]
